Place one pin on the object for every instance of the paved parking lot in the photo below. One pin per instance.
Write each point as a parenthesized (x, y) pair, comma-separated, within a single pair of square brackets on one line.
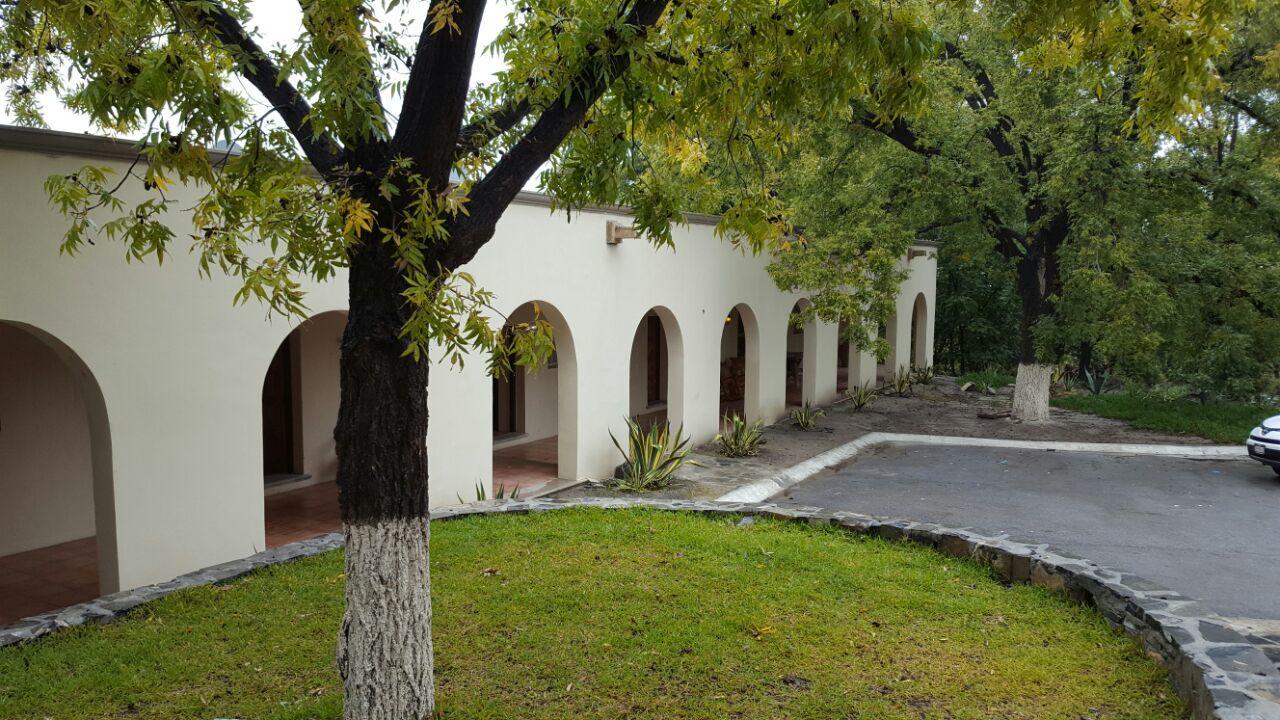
[(1209, 529)]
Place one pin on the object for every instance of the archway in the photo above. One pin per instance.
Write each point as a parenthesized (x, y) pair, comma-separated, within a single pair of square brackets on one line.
[(657, 370), (57, 520), (919, 332), (535, 425), (740, 364), (802, 338), (300, 397)]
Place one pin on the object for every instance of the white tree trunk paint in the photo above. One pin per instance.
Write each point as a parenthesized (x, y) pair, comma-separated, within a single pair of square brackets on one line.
[(387, 624), (1031, 392)]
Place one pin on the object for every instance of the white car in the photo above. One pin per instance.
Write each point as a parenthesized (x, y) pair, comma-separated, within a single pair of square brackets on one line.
[(1264, 443)]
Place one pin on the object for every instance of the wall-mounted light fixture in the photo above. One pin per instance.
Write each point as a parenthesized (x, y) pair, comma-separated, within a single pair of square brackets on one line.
[(616, 232)]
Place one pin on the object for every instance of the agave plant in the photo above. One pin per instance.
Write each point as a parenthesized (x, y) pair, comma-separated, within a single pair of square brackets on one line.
[(922, 375), (499, 494), (652, 456), (738, 438), (861, 396), (1095, 383), (806, 417), (902, 382)]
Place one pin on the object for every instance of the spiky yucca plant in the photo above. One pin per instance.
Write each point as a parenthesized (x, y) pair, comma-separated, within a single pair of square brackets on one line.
[(652, 456), (861, 396), (499, 494), (739, 438), (902, 382), (806, 417)]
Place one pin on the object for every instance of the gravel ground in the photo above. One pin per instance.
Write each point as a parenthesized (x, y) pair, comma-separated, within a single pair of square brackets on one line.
[(940, 408)]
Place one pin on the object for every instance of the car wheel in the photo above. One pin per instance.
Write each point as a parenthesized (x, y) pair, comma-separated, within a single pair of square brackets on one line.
[(1276, 468)]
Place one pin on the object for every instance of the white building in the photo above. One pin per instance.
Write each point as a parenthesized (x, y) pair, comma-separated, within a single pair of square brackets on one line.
[(140, 411)]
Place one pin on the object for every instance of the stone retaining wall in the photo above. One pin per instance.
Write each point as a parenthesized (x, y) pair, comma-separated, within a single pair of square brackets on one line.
[(1214, 668)]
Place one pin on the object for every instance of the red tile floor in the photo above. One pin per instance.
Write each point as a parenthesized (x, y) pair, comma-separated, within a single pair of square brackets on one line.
[(527, 466), (52, 577), (301, 514), (48, 578)]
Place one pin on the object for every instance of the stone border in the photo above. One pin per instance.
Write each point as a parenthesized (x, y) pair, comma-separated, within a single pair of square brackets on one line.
[(1214, 668), (764, 489)]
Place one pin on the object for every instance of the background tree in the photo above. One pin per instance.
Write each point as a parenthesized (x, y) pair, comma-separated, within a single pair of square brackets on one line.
[(1027, 151), (1178, 287)]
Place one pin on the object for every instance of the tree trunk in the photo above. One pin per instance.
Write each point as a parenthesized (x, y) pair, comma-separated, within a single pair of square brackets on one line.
[(1031, 388), (1031, 392), (384, 648)]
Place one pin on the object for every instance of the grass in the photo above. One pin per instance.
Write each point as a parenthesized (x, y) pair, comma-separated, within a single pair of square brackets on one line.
[(637, 614), (985, 379), (1225, 422)]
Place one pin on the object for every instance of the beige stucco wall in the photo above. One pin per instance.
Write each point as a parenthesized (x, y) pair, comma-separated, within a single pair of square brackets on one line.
[(181, 369)]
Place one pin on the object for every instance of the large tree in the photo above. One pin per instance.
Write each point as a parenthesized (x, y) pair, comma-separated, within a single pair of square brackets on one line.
[(1027, 152)]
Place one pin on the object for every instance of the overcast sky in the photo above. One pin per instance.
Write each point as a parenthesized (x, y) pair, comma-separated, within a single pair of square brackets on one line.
[(280, 22)]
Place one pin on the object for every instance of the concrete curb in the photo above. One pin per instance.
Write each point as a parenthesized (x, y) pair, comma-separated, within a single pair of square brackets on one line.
[(767, 488), (1214, 668)]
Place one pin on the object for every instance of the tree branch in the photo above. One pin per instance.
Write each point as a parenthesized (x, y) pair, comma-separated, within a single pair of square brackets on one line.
[(492, 194), (475, 134), (1248, 109), (435, 95), (897, 130), (256, 67)]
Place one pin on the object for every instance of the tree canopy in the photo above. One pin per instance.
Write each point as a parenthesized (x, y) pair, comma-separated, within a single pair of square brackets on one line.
[(1116, 210)]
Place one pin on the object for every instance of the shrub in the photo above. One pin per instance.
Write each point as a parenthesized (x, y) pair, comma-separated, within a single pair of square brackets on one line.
[(902, 382), (861, 396), (806, 417), (652, 456), (986, 380), (922, 375), (738, 438), (1095, 382)]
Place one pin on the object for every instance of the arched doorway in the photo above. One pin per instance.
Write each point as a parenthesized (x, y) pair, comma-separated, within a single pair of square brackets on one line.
[(535, 426), (300, 397), (657, 370), (919, 332), (802, 337), (57, 525), (740, 364)]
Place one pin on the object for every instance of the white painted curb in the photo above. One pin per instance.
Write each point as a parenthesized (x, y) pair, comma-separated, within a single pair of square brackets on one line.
[(764, 489)]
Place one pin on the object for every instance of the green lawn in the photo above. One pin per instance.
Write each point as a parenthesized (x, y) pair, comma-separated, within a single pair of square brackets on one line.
[(993, 380), (1225, 422), (609, 614)]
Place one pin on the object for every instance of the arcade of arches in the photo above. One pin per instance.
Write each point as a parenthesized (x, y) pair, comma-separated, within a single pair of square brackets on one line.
[(57, 540)]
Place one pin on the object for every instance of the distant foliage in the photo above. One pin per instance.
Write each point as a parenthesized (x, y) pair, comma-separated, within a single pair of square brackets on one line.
[(978, 311)]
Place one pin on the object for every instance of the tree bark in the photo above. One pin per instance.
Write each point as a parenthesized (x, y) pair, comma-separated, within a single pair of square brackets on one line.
[(1031, 388), (1031, 392), (384, 647)]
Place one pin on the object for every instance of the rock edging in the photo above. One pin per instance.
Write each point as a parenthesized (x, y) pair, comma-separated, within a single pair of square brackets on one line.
[(1215, 669)]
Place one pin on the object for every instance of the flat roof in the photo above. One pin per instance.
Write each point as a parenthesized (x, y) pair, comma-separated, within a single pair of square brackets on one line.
[(57, 142)]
